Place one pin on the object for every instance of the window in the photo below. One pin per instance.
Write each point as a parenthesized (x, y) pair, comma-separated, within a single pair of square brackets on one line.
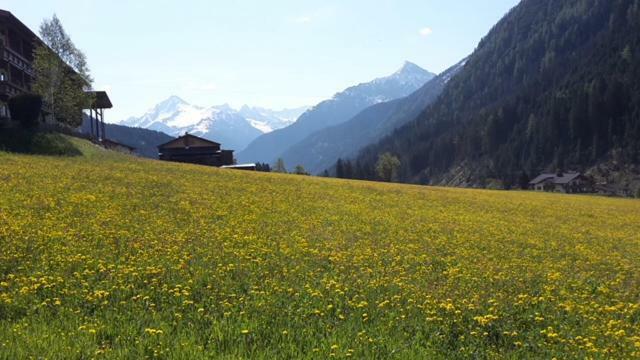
[(4, 112), (3, 77)]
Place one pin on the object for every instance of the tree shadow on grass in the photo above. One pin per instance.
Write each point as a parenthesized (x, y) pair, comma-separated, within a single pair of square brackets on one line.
[(28, 141)]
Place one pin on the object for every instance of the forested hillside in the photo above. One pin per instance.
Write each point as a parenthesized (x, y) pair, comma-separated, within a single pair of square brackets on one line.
[(554, 85), (144, 141)]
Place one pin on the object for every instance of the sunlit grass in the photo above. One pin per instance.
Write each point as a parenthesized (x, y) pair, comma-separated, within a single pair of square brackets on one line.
[(110, 256)]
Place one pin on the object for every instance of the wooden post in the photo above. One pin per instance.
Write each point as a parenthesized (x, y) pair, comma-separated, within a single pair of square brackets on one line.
[(104, 131), (95, 112), (91, 122)]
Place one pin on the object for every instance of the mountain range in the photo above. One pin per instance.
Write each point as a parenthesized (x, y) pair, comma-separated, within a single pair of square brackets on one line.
[(320, 150), (552, 87), (341, 107), (235, 129)]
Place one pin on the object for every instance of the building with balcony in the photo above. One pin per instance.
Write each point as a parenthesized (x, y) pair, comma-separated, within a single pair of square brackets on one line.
[(17, 43)]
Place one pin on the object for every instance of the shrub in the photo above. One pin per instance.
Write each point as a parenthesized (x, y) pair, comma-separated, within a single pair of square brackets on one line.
[(53, 144), (30, 141), (26, 109)]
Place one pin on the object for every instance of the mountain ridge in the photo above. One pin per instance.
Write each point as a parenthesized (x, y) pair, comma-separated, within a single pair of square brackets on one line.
[(550, 87), (341, 107), (320, 150), (222, 123)]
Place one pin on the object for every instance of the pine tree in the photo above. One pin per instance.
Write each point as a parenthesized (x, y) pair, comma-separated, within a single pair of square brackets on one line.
[(340, 169)]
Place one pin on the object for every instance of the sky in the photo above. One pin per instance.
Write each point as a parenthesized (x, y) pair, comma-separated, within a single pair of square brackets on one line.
[(275, 54)]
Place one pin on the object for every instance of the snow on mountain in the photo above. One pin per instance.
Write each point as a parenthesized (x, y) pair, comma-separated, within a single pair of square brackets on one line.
[(173, 113), (234, 129), (340, 108), (267, 120)]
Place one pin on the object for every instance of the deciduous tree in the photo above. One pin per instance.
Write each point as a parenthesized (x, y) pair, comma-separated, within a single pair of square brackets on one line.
[(387, 167), (61, 74)]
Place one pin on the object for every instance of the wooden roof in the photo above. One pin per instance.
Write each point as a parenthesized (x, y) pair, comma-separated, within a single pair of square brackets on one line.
[(188, 140), (8, 15), (101, 100), (560, 179)]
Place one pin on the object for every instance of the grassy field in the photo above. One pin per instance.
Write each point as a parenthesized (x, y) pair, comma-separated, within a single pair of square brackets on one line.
[(106, 256)]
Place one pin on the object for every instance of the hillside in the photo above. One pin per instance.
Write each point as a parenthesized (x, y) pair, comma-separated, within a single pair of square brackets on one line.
[(340, 108), (552, 86), (320, 150), (144, 141), (110, 256)]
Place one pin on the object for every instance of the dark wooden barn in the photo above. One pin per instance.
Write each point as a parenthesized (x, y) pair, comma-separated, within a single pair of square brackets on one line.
[(195, 150)]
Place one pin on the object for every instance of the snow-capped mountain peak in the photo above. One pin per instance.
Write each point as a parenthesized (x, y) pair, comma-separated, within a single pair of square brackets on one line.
[(410, 74), (221, 123), (267, 120)]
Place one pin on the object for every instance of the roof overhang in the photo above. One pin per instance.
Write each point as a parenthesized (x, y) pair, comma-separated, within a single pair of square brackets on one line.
[(101, 100)]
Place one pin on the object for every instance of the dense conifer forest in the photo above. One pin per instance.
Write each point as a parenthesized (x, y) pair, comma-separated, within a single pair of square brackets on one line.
[(554, 85)]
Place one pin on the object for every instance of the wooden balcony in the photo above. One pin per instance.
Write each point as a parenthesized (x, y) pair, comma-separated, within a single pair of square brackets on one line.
[(8, 90), (15, 59)]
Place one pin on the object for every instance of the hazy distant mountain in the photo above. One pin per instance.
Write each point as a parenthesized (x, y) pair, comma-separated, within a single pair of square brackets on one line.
[(144, 141), (224, 125), (233, 129), (342, 107), (267, 120), (320, 150)]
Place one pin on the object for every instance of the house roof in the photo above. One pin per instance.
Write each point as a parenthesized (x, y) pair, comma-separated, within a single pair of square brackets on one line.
[(559, 179), (239, 166), (186, 138), (16, 21), (101, 100), (12, 19)]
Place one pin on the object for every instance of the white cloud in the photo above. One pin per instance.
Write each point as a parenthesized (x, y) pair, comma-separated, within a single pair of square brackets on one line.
[(424, 32)]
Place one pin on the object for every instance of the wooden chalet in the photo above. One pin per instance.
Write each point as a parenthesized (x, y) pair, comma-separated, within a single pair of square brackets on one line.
[(17, 46), (569, 183), (17, 43), (195, 150)]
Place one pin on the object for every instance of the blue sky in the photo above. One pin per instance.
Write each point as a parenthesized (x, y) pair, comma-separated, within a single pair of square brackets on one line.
[(276, 53)]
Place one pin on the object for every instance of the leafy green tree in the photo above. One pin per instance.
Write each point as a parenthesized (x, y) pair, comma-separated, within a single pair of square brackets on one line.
[(300, 170), (387, 167), (61, 74), (280, 167)]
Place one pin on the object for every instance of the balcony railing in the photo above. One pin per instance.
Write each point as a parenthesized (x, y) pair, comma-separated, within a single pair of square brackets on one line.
[(9, 89), (18, 61)]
